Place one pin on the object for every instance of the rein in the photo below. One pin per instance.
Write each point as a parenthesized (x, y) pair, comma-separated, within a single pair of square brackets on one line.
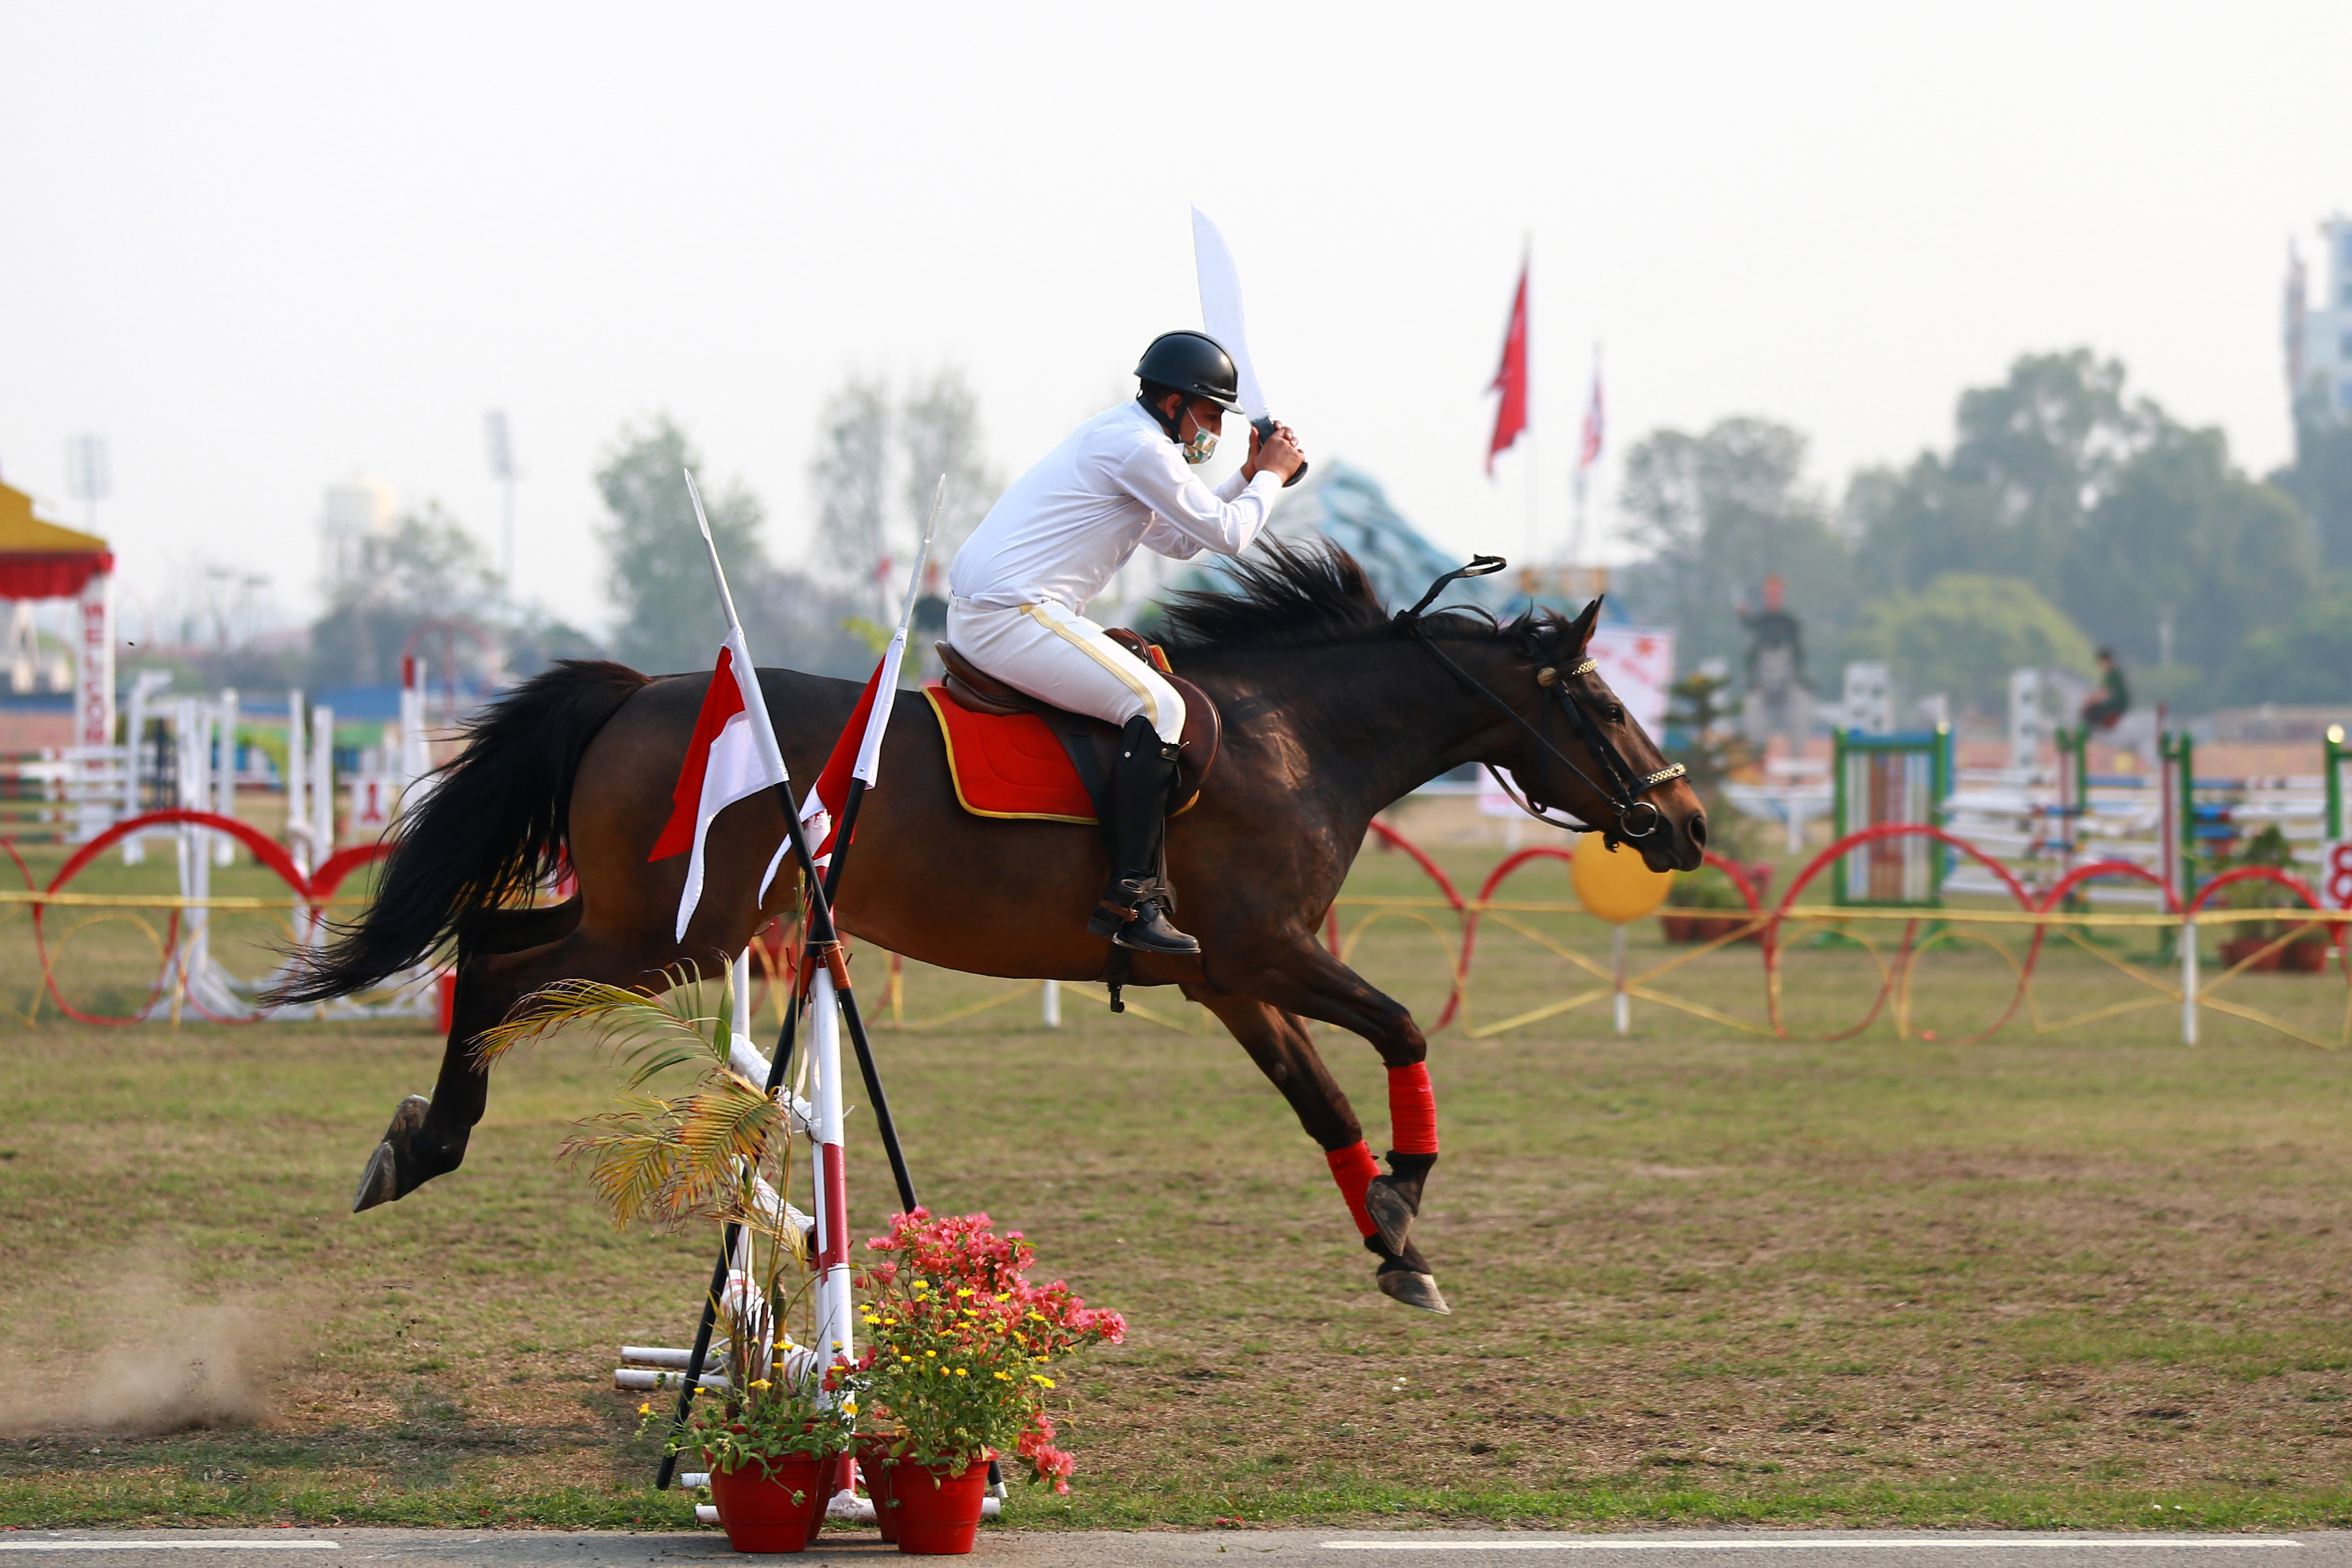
[(1637, 818)]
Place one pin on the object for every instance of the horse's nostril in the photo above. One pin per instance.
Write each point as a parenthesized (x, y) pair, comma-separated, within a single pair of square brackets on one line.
[(1696, 828)]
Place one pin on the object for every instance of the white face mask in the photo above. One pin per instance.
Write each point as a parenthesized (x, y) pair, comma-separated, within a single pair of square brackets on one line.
[(1200, 447)]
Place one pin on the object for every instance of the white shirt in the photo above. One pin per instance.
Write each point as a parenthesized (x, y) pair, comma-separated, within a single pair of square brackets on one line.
[(1072, 520)]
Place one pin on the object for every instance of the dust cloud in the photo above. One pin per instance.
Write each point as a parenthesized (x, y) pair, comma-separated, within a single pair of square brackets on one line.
[(165, 1364)]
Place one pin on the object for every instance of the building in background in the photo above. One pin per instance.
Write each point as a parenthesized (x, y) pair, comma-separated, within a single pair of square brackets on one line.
[(355, 529), (2319, 327)]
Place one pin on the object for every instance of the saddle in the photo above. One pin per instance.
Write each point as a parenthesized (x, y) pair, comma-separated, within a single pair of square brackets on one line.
[(1091, 744)]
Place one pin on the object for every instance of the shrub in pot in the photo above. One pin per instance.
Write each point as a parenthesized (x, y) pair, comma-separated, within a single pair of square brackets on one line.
[(960, 1348)]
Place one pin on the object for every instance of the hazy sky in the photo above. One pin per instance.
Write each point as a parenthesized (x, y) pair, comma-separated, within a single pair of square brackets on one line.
[(262, 248)]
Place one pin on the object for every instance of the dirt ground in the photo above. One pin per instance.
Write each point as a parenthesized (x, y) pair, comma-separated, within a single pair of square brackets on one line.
[(2086, 1277)]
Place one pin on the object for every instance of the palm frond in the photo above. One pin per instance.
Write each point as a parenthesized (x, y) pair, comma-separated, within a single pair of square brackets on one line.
[(720, 1132), (630, 1021), (632, 1160)]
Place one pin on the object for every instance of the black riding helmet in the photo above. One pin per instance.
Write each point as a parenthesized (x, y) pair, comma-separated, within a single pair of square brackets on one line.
[(1194, 364)]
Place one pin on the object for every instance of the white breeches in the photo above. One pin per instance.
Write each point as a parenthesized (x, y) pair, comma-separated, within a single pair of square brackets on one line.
[(1064, 659)]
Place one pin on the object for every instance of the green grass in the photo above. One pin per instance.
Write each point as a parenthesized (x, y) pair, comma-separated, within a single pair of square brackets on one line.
[(1698, 1275)]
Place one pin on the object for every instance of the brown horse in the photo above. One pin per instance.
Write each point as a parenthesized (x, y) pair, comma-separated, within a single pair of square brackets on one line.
[(1333, 710)]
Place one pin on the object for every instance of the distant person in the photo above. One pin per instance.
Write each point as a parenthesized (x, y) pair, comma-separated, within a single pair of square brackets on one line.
[(1777, 703), (2104, 710)]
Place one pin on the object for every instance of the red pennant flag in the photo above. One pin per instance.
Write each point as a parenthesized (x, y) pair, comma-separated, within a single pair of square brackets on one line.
[(1511, 377)]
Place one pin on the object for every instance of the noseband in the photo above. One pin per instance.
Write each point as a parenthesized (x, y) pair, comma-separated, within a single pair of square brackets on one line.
[(1637, 818)]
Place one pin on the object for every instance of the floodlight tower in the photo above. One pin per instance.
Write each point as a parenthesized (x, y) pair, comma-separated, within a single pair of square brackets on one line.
[(89, 479), (502, 469)]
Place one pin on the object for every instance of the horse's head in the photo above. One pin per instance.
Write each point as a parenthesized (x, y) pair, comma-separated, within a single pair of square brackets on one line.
[(1586, 753)]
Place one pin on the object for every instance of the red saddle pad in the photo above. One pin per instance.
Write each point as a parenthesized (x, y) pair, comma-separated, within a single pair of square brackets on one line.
[(1008, 766)]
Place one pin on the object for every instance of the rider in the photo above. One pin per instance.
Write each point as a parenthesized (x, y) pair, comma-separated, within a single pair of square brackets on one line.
[(1021, 583)]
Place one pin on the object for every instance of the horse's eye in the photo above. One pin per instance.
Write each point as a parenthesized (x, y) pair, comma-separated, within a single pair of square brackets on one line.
[(1616, 714)]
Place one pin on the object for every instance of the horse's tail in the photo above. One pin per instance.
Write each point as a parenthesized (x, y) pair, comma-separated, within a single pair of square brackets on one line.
[(490, 832)]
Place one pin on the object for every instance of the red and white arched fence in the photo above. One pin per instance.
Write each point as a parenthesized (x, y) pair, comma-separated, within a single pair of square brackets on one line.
[(187, 978)]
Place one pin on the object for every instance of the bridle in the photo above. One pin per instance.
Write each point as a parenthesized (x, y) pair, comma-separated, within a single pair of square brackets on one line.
[(1637, 818)]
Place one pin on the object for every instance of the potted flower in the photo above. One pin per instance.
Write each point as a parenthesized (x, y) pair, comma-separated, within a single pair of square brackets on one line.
[(717, 1155), (1705, 904), (2296, 946), (961, 1348)]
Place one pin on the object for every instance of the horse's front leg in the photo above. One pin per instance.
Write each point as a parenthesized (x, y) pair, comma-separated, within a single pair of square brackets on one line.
[(428, 1138), (1301, 977), (1278, 1043)]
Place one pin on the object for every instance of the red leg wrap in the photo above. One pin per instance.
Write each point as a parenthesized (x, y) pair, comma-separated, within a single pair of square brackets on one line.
[(1413, 1110), (1354, 1168)]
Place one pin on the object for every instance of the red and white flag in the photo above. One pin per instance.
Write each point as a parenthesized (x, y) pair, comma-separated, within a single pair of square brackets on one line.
[(821, 812), (1511, 377), (725, 762), (857, 755)]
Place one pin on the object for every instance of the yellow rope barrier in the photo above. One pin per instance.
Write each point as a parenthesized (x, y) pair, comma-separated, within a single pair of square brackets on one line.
[(1896, 973)]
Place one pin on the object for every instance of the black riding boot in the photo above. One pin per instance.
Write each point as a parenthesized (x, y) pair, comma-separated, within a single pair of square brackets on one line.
[(1134, 908)]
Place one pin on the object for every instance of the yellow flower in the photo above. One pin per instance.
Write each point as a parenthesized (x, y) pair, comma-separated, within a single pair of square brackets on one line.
[(849, 1407), (1003, 1376), (1041, 1379), (959, 1372), (965, 1292), (762, 1384), (644, 1410), (1005, 1295), (933, 1354)]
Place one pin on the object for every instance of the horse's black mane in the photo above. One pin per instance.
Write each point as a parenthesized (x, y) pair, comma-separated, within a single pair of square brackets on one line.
[(1303, 595)]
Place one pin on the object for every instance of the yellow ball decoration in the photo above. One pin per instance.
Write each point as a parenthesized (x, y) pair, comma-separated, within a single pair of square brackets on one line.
[(1615, 884)]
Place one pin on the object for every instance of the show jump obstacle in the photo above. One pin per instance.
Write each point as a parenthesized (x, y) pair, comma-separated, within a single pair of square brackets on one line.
[(821, 988)]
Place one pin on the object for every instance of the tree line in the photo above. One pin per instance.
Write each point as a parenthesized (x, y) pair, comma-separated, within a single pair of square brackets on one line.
[(879, 456), (2066, 513)]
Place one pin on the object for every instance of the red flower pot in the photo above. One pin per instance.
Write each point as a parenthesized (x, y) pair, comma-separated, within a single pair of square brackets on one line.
[(2301, 957), (831, 1478), (772, 1511), (1679, 926), (874, 1464), (938, 1513)]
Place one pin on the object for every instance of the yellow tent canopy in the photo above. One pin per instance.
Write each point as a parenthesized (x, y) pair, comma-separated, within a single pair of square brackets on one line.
[(20, 530), (44, 559)]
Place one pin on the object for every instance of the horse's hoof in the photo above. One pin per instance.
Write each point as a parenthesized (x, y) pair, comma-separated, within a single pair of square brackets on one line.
[(1392, 1212), (380, 1182), (1414, 1288)]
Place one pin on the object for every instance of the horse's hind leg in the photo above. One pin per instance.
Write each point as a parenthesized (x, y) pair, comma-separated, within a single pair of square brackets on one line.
[(1278, 1043), (428, 1138)]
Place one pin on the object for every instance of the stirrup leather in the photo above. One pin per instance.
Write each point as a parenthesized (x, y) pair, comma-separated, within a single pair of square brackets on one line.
[(1139, 892)]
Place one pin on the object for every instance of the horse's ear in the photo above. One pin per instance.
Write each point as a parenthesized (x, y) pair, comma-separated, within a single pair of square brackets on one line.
[(1580, 632)]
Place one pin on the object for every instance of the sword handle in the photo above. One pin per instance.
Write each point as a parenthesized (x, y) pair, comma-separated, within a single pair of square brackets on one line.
[(1264, 426)]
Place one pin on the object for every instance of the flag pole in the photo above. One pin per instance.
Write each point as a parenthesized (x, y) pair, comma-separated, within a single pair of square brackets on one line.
[(862, 779), (832, 977), (1527, 350)]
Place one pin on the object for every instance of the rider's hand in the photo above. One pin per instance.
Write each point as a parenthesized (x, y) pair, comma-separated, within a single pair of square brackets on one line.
[(1280, 455)]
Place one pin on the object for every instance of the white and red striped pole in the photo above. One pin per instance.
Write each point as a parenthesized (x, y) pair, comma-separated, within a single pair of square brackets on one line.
[(835, 1336)]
